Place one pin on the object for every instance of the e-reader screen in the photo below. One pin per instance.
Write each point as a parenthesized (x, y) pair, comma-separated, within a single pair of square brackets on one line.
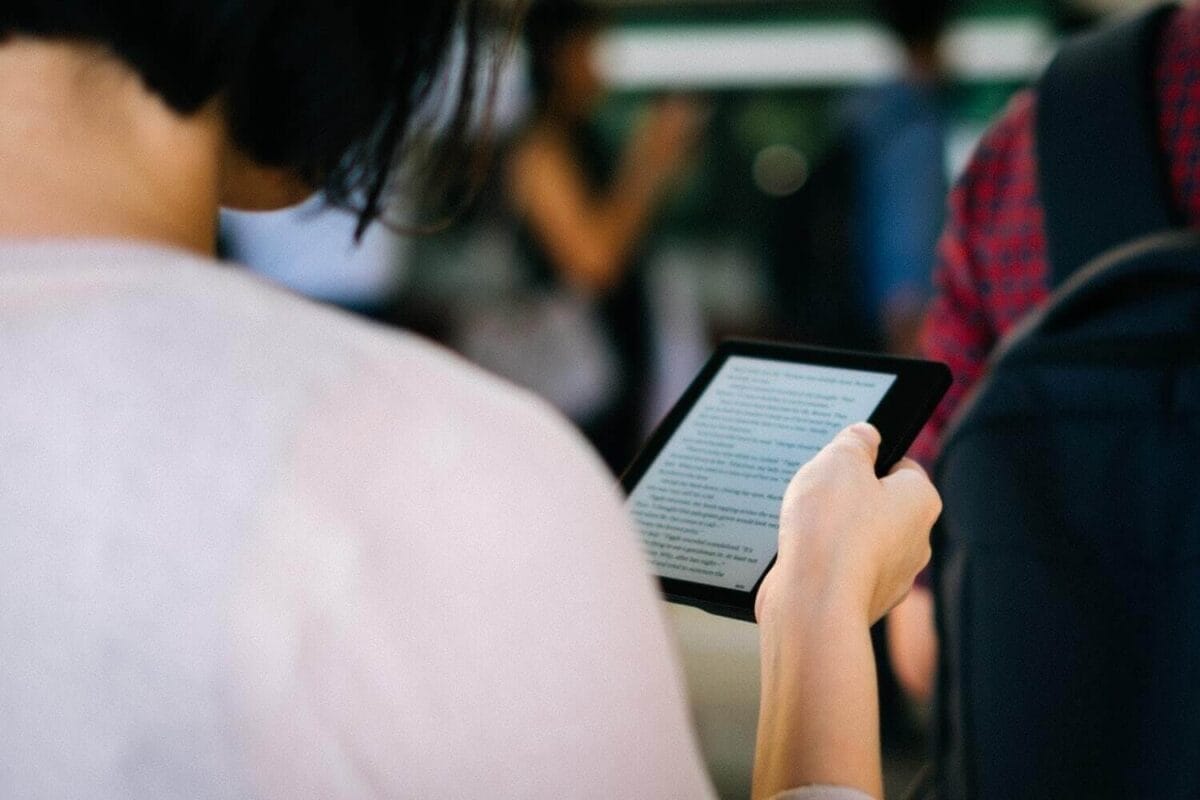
[(708, 505)]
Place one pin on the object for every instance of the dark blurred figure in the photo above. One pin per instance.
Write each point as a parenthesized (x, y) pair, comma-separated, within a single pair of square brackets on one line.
[(1075, 16), (1068, 578), (856, 246), (585, 210), (898, 130)]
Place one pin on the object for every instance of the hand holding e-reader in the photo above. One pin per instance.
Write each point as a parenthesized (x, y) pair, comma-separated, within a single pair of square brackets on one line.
[(706, 490)]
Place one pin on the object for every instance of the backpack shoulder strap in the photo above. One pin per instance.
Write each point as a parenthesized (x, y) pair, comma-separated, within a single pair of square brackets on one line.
[(1101, 170)]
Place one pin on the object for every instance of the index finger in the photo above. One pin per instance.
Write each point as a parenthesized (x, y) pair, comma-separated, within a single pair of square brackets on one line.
[(910, 485)]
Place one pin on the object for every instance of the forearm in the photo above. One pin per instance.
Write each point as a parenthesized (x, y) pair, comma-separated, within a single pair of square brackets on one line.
[(626, 208), (819, 717), (619, 220), (587, 233), (590, 241)]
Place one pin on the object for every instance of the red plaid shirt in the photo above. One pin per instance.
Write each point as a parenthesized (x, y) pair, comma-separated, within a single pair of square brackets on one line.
[(992, 267)]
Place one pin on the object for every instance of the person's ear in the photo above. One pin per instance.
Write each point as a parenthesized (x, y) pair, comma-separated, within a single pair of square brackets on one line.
[(247, 185)]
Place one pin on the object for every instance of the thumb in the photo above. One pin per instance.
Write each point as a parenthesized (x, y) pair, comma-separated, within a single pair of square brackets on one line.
[(860, 440)]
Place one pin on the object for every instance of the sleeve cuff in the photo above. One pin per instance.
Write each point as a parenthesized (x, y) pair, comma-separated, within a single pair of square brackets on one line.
[(822, 793)]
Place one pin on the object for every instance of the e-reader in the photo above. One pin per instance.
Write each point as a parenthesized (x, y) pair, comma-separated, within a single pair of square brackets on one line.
[(706, 490)]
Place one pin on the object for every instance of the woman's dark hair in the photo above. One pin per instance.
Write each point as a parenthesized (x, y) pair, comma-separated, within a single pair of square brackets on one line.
[(918, 23), (335, 90), (548, 26)]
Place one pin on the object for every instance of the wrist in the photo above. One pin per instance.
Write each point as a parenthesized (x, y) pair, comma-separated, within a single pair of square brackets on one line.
[(790, 595)]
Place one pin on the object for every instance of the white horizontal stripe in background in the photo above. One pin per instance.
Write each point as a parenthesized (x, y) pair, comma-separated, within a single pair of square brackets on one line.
[(819, 54)]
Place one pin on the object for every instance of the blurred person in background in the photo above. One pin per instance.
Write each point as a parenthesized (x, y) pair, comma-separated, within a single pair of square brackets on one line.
[(585, 211), (897, 132), (992, 266), (1067, 293), (255, 547), (853, 248)]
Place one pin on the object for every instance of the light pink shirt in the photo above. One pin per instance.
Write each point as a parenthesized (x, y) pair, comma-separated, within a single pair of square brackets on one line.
[(256, 548)]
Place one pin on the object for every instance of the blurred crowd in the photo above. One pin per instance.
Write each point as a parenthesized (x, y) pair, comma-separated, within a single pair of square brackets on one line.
[(605, 253), (620, 233)]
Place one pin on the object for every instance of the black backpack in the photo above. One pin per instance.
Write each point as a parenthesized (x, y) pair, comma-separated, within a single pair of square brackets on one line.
[(1067, 563)]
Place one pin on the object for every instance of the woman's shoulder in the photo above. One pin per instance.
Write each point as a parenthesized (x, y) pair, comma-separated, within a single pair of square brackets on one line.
[(325, 368), (429, 412)]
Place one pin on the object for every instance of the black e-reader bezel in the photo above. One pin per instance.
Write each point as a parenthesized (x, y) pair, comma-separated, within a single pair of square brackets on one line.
[(900, 415)]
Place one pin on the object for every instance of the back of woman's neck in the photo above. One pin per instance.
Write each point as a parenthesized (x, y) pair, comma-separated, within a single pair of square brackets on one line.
[(87, 151)]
